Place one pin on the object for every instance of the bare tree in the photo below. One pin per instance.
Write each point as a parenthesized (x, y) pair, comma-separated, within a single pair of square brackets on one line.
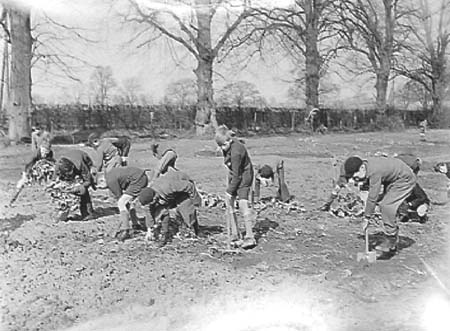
[(18, 104), (413, 92), (129, 91), (189, 24), (240, 94), (305, 30), (102, 82), (25, 48), (425, 58), (371, 29), (181, 92)]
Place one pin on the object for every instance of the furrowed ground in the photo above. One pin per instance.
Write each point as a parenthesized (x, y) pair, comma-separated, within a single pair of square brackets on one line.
[(303, 275)]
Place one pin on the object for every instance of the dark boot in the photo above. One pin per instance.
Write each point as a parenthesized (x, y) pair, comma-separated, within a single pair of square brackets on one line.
[(327, 205), (123, 235), (89, 213), (389, 244), (124, 232), (165, 234), (86, 209), (136, 224)]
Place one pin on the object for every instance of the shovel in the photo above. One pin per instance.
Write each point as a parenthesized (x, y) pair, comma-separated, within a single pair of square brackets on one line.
[(369, 256)]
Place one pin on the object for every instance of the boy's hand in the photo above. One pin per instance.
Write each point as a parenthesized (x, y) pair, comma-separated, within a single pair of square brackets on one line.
[(150, 235), (78, 189)]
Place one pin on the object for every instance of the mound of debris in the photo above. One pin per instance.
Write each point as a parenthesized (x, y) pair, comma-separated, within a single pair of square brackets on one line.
[(41, 172), (61, 197), (347, 204), (211, 200)]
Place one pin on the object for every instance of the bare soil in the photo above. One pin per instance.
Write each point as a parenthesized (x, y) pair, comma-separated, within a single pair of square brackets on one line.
[(303, 275)]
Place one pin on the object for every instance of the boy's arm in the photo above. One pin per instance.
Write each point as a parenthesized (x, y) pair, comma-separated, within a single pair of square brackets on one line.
[(236, 173), (98, 157), (374, 191), (115, 188)]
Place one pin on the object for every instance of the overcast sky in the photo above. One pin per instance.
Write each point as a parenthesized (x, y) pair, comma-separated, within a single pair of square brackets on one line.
[(155, 66)]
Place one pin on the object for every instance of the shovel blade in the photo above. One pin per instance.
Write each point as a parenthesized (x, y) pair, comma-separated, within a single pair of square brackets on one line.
[(370, 257)]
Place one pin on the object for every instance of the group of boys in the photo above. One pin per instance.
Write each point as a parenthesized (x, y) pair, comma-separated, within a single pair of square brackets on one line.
[(391, 183), (166, 189)]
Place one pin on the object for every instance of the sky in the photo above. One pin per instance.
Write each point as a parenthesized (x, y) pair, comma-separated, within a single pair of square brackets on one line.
[(154, 66)]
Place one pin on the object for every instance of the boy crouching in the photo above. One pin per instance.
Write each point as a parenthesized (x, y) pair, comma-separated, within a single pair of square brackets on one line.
[(173, 190)]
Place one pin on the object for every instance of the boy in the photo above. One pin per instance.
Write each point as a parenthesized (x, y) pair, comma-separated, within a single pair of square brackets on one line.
[(409, 159), (240, 180), (423, 129), (39, 136), (166, 159), (123, 144), (444, 168), (176, 190), (416, 206), (126, 183), (398, 180), (265, 175), (107, 155), (73, 164), (43, 152)]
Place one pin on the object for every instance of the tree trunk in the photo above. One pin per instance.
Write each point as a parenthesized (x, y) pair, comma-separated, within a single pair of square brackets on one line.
[(206, 113), (312, 57), (381, 86), (19, 103)]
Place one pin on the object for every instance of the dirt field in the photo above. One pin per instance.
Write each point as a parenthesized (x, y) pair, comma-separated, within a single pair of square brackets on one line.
[(303, 275)]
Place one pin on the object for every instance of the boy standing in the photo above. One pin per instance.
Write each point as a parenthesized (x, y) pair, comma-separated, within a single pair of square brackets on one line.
[(240, 180)]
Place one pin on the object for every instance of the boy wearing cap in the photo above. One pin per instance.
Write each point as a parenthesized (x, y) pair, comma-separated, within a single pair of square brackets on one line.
[(126, 183), (240, 180), (398, 181), (123, 144), (172, 190), (265, 175), (106, 156), (166, 159), (410, 160), (73, 164)]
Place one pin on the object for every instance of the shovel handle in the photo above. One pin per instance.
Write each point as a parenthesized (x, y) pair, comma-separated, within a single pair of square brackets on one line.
[(366, 235)]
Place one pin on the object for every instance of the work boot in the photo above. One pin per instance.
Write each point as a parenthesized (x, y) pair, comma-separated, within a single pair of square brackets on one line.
[(249, 242), (164, 240), (327, 205), (136, 224), (87, 213), (389, 244), (62, 216), (123, 235), (124, 232)]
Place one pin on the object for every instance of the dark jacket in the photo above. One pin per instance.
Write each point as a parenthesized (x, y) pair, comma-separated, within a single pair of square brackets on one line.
[(82, 165), (169, 185), (384, 171), (120, 179), (123, 144), (241, 169), (105, 153)]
